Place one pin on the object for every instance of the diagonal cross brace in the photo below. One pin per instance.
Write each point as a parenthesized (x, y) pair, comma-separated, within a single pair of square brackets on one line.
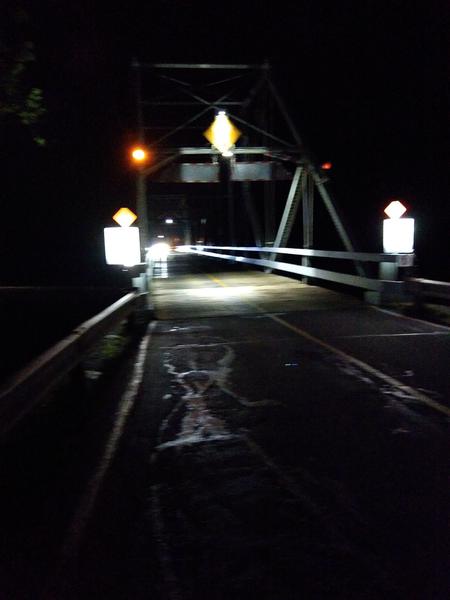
[(289, 213)]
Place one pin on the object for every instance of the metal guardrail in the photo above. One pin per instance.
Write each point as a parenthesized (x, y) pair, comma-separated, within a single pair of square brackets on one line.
[(421, 289), (402, 260), (25, 389), (390, 287)]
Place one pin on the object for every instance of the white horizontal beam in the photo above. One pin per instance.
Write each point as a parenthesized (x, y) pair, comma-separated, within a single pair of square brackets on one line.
[(353, 280), (401, 259), (211, 151), (213, 66)]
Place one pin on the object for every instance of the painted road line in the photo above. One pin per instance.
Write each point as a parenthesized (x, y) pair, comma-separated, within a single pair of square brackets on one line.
[(405, 389), (127, 401), (77, 529), (406, 317), (218, 281), (392, 335)]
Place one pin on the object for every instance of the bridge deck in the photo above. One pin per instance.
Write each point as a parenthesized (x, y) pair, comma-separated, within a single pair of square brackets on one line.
[(274, 440), (280, 447), (413, 352), (218, 293)]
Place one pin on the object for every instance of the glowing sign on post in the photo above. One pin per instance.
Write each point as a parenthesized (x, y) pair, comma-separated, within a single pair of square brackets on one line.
[(398, 233), (395, 209), (222, 134), (122, 246), (124, 217)]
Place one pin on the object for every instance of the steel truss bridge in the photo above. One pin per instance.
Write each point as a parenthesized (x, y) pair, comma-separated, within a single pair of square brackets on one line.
[(175, 104)]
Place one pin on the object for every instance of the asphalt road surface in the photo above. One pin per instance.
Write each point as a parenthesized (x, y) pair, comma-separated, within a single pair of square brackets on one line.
[(272, 440)]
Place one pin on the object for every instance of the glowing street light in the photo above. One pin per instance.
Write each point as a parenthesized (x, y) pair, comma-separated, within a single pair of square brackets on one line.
[(168, 221), (139, 155), (159, 251), (222, 134)]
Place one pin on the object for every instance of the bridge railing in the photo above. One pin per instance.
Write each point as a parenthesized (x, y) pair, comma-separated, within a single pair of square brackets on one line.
[(428, 289), (24, 390), (387, 285)]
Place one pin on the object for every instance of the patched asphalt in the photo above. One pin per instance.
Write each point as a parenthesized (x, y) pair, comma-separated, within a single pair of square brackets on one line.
[(260, 463)]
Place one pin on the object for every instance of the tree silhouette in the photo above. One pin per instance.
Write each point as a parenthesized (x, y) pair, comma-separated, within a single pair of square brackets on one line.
[(20, 99)]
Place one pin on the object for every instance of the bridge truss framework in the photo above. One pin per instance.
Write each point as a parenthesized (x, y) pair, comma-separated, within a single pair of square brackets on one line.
[(190, 94)]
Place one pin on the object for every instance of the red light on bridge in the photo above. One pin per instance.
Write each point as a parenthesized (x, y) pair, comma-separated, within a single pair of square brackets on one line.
[(326, 166)]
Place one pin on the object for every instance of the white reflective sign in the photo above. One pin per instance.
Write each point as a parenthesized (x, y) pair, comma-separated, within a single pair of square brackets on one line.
[(398, 235), (122, 246)]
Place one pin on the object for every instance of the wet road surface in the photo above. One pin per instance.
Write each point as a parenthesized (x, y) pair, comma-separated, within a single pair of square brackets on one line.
[(259, 462), (273, 441)]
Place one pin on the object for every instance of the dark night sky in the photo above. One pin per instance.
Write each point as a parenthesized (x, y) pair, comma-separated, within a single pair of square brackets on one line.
[(365, 81)]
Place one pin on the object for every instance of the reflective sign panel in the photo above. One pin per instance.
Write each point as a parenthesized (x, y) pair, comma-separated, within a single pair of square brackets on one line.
[(395, 209), (122, 246), (124, 217), (398, 235), (222, 134)]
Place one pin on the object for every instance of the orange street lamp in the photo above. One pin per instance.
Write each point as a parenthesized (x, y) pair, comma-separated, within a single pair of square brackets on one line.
[(139, 155)]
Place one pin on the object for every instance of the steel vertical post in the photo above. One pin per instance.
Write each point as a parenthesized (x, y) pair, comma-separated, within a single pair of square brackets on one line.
[(141, 183), (141, 209), (307, 217), (231, 205)]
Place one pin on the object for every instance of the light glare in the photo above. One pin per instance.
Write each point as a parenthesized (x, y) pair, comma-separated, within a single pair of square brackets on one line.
[(398, 235), (221, 293), (122, 246), (222, 134), (395, 209), (159, 251), (139, 155)]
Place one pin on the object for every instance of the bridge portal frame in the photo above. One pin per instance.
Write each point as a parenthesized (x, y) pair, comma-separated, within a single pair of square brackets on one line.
[(307, 181)]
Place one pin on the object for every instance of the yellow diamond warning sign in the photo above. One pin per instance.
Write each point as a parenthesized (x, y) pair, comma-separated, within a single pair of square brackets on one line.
[(124, 217)]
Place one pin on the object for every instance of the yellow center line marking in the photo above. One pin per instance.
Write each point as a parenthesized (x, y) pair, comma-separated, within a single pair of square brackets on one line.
[(218, 281), (406, 389)]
